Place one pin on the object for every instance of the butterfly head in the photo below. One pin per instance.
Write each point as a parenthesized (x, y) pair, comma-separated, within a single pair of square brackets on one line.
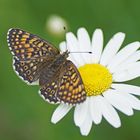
[(65, 54)]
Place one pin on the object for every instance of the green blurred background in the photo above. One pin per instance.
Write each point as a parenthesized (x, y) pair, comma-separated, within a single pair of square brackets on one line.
[(26, 116)]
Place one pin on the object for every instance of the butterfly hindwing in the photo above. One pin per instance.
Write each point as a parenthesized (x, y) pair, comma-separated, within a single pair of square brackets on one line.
[(49, 91), (71, 89), (24, 45), (68, 88)]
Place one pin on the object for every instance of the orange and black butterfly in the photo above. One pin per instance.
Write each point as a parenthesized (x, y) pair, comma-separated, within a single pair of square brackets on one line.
[(35, 59)]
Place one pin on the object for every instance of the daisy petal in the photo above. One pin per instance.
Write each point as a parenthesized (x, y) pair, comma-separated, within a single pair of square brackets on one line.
[(95, 110), (118, 102), (132, 59), (123, 55), (60, 112), (86, 126), (80, 112), (112, 48), (84, 44), (72, 45), (127, 88), (127, 74), (97, 45), (126, 67), (134, 102), (109, 113), (62, 46)]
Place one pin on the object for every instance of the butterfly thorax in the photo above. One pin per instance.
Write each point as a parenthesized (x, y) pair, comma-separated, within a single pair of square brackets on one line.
[(53, 70), (61, 58)]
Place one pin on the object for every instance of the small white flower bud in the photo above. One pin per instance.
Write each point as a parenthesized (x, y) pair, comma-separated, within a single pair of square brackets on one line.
[(56, 25)]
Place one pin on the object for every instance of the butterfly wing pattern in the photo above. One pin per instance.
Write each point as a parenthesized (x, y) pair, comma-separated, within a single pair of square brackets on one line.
[(27, 70), (49, 91), (24, 45), (69, 87), (29, 51), (32, 55)]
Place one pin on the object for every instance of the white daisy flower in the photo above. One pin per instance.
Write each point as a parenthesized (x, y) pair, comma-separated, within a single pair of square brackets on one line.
[(103, 73)]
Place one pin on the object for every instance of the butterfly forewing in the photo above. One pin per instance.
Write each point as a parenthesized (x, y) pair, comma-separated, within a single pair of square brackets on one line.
[(24, 45), (71, 89), (30, 53)]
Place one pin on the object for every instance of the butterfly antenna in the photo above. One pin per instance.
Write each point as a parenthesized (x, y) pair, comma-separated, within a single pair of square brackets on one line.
[(65, 29), (82, 52)]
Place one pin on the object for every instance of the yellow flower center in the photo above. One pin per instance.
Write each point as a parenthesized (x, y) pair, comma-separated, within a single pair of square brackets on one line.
[(96, 78)]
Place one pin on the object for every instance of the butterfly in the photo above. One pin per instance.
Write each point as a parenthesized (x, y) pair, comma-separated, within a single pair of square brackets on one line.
[(35, 59)]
